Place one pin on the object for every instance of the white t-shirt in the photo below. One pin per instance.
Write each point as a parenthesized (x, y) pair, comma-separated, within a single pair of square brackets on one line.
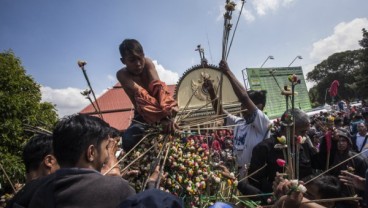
[(359, 143), (247, 136)]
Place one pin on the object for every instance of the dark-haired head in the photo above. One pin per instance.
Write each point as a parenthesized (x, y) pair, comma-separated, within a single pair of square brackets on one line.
[(114, 132), (74, 134), (130, 47), (323, 187), (258, 97), (328, 186), (36, 150)]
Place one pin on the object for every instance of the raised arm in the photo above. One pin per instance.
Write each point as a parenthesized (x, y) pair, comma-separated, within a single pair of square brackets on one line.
[(208, 86), (111, 148), (239, 90), (129, 86)]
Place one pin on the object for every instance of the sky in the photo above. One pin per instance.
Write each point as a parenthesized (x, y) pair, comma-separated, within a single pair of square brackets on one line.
[(50, 37)]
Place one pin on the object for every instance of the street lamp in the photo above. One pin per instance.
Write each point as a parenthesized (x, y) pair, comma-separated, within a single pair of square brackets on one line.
[(297, 57), (245, 85), (269, 57)]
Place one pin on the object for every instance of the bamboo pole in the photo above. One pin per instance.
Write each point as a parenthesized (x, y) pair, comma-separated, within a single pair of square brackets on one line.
[(121, 159), (250, 196), (335, 166), (253, 173), (140, 156), (163, 165), (354, 198), (152, 169), (81, 64), (7, 177), (186, 106), (205, 120)]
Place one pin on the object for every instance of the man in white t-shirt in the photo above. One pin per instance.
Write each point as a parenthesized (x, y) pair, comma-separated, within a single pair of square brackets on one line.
[(252, 127), (248, 132), (360, 140)]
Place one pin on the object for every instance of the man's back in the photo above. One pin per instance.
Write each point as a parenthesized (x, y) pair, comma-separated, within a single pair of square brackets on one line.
[(266, 153), (24, 196), (73, 187), (248, 135)]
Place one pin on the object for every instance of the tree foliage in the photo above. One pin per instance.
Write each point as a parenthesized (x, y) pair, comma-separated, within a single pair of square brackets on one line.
[(20, 105), (339, 66), (362, 73), (349, 68)]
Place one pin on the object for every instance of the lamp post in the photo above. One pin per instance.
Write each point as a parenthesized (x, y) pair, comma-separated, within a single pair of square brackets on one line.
[(269, 57), (297, 57), (245, 85)]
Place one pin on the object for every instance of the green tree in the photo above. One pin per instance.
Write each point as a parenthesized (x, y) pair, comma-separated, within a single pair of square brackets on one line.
[(20, 105), (362, 73), (313, 95), (339, 66)]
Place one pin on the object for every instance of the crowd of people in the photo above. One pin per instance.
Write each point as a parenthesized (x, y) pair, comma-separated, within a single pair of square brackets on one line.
[(331, 148), (77, 165), (80, 169)]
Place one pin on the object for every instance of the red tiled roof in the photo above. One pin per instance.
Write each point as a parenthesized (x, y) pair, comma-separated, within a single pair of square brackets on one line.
[(119, 120), (116, 108)]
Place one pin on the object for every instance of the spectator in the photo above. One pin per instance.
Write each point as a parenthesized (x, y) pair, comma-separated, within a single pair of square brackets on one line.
[(265, 153), (39, 161), (357, 165), (153, 198), (357, 118), (324, 187), (112, 149), (360, 139), (81, 148)]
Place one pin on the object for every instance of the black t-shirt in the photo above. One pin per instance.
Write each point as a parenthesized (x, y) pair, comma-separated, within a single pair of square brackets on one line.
[(78, 187), (24, 196), (266, 153)]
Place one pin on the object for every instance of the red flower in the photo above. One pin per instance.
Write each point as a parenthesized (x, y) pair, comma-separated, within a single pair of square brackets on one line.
[(281, 162), (299, 139)]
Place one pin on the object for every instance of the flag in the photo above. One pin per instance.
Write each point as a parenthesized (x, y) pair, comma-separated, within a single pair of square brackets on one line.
[(333, 88)]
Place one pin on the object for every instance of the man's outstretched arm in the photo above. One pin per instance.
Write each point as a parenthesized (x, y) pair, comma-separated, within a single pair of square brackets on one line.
[(239, 90)]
